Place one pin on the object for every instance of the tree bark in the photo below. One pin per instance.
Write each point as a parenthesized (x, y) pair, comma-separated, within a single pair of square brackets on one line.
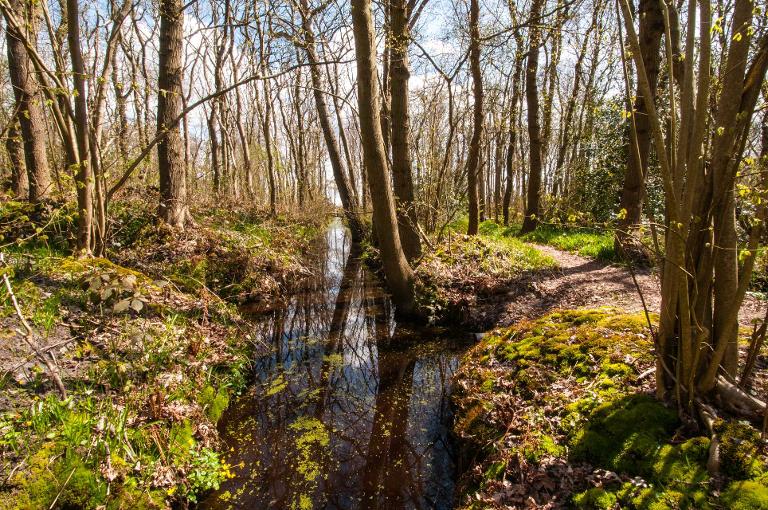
[(473, 157), (29, 100), (15, 149), (343, 185), (534, 130), (84, 175), (633, 192), (400, 121), (513, 118), (399, 275), (170, 151)]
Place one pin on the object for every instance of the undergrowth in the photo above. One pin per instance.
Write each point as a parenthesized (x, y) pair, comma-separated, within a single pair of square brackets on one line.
[(593, 243), (148, 350)]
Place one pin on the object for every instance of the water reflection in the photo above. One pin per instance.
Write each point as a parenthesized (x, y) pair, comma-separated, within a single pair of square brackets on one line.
[(350, 410)]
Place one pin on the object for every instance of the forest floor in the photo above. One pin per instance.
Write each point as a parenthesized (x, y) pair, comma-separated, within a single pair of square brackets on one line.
[(555, 406), (580, 281)]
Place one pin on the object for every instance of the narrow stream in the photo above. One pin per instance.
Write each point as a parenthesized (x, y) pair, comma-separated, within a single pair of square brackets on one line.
[(350, 410)]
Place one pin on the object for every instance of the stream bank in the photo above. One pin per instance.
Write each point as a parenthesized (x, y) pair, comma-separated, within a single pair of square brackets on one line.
[(559, 412), (149, 353)]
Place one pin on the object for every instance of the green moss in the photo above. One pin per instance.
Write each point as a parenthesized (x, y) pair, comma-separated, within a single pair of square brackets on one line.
[(540, 445), (745, 495), (624, 435), (54, 473), (739, 450), (678, 479), (578, 369), (495, 471), (595, 498)]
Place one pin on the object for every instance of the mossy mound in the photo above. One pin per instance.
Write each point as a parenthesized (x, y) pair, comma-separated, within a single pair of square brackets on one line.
[(561, 399), (631, 436)]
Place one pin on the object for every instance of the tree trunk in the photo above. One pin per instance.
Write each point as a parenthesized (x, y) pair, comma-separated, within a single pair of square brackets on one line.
[(400, 278), (170, 151), (513, 120), (343, 185), (534, 130), (29, 99), (84, 176), (15, 149), (400, 121), (473, 158), (633, 192)]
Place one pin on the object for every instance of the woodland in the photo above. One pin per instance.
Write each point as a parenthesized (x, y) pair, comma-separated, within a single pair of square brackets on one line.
[(393, 254)]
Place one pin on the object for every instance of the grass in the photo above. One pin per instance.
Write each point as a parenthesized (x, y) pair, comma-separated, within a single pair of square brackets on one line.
[(467, 269), (146, 388), (585, 242), (592, 243), (153, 366)]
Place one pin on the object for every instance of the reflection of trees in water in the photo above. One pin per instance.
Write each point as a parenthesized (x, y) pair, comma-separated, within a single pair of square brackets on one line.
[(338, 359)]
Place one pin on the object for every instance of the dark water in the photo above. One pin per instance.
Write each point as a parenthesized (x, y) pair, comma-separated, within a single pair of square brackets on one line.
[(350, 410)]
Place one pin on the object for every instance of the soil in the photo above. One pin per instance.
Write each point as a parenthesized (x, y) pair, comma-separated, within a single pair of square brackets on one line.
[(584, 282)]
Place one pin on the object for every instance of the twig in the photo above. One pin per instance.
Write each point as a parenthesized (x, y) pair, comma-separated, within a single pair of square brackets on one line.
[(28, 334)]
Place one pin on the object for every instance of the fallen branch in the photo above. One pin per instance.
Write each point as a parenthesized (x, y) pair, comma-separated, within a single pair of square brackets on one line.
[(28, 335)]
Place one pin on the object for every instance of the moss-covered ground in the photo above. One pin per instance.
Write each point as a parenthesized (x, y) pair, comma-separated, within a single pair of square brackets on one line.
[(561, 410), (148, 350)]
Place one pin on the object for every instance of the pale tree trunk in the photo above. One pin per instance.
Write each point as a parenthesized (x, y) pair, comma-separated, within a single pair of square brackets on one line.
[(399, 275), (473, 157), (400, 121), (29, 99), (534, 130), (170, 151), (84, 176)]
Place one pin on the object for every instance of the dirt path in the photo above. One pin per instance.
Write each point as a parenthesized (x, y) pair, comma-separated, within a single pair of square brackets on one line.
[(583, 282)]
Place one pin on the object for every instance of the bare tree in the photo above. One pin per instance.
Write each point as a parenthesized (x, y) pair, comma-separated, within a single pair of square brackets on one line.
[(170, 150), (534, 130), (29, 98), (399, 274)]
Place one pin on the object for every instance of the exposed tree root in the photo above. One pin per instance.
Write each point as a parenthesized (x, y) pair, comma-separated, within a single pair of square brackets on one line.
[(738, 401)]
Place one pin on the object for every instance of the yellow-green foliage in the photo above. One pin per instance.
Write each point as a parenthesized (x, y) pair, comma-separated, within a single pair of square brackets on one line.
[(624, 434), (214, 402), (631, 435), (106, 434), (525, 360), (745, 495)]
